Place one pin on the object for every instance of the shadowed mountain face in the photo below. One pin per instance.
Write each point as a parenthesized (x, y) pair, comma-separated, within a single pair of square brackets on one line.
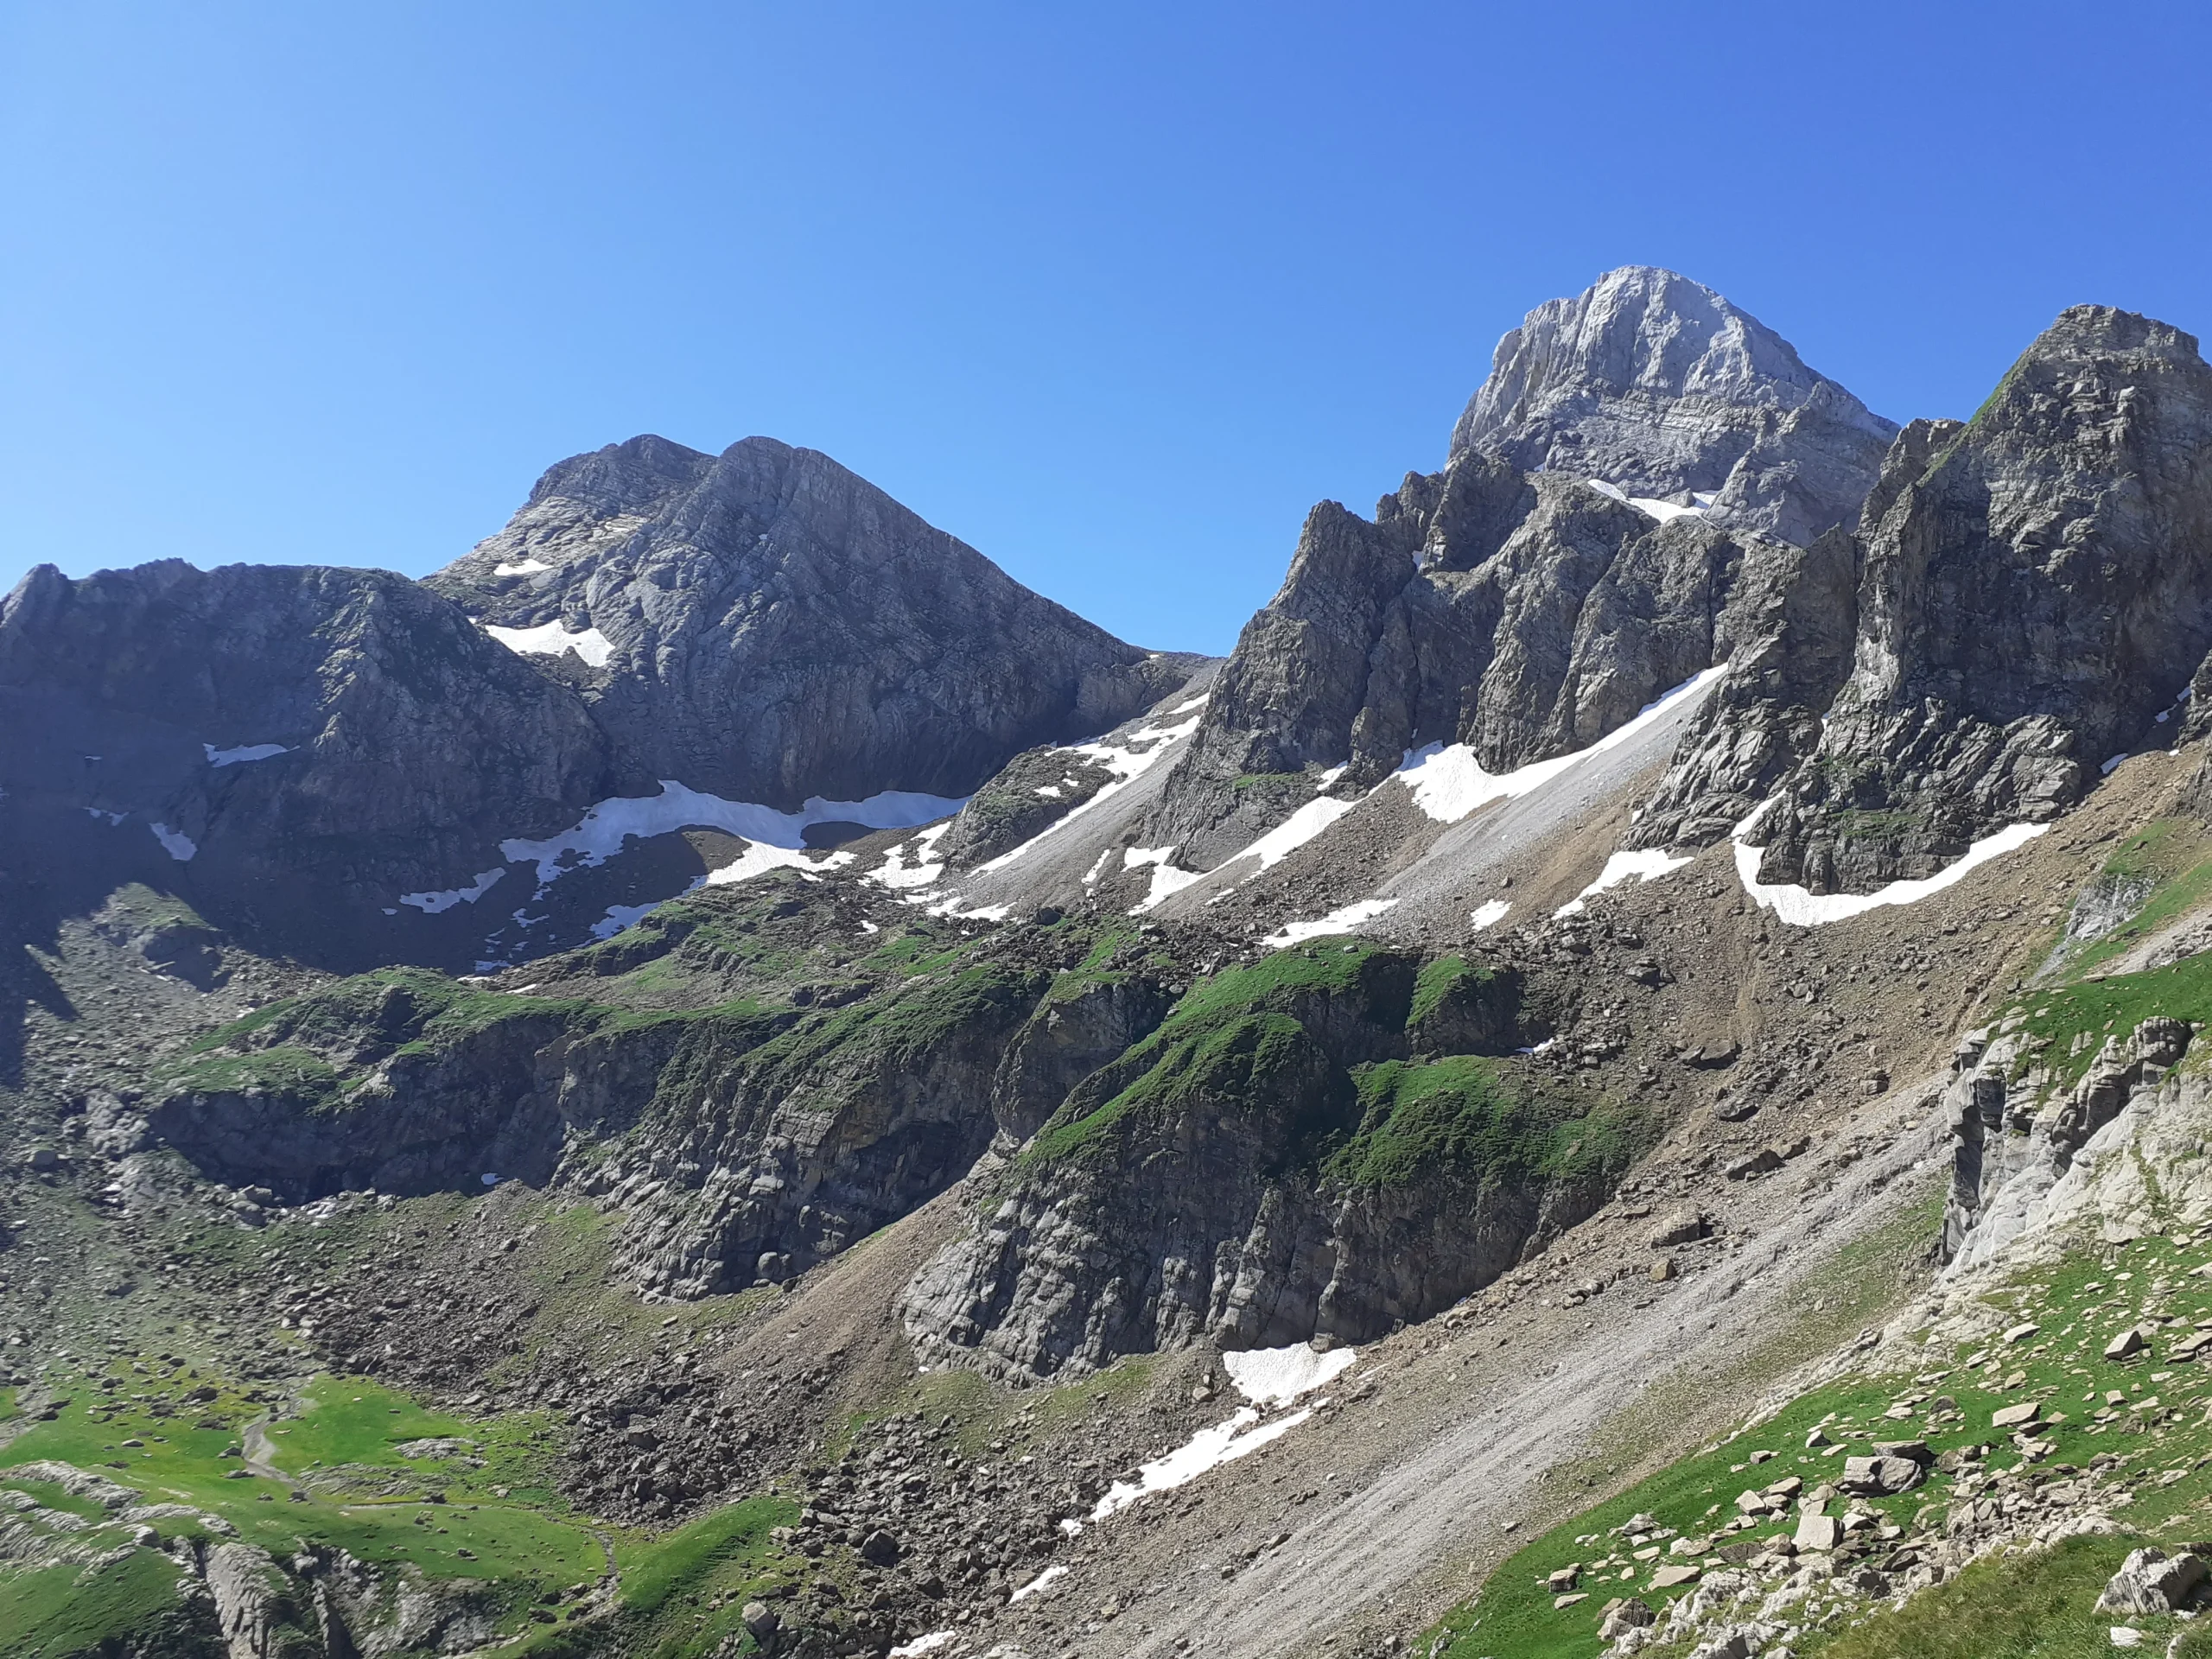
[(295, 747), (775, 628), (1658, 385)]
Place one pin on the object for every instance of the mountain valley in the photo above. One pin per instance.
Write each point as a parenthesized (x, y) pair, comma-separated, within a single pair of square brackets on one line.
[(720, 1078)]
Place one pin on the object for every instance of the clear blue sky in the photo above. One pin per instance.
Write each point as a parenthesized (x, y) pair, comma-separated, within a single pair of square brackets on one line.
[(1113, 292)]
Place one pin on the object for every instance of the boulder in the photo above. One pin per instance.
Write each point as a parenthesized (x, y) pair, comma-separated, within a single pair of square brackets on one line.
[(2150, 1581)]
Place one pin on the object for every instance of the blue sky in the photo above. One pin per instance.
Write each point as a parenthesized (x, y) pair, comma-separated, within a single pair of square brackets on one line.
[(1114, 293)]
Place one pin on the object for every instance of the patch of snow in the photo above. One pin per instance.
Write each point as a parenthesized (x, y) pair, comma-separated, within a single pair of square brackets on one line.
[(490, 1180), (1070, 1527), (2109, 766), (896, 872), (759, 858), (1276, 1376), (1538, 1048), (1226, 1441), (1346, 920), (981, 913), (1652, 507), (1038, 1586), (1330, 777), (1489, 913), (112, 817), (618, 917), (245, 752), (1571, 908), (1198, 702), (1166, 879), (1295, 831), (1800, 908), (178, 845), (1448, 783), (1647, 865), (870, 927), (431, 903), (1704, 498), (1049, 792), (1604, 488), (1126, 761), (922, 1644), (522, 568), (550, 639), (1097, 868), (601, 832)]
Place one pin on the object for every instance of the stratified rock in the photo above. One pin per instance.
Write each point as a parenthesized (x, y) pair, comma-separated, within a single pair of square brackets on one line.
[(2032, 601), (1659, 386), (776, 627)]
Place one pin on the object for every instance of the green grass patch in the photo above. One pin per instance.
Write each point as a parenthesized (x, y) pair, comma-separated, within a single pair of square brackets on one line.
[(2073, 1020), (2158, 1431), (1479, 1121), (62, 1613)]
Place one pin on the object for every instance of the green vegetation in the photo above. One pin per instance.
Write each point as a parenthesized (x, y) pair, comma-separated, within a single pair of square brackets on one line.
[(2073, 1021), (285, 1070), (2168, 862), (360, 1468), (1478, 1120), (2154, 1436)]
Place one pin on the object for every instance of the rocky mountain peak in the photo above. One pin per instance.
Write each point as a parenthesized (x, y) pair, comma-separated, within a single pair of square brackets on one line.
[(768, 625), (1659, 386)]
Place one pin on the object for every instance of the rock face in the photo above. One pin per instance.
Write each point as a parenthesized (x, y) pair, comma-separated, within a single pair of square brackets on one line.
[(768, 627), (293, 749), (1228, 1178), (1519, 601), (2037, 590), (1659, 386), (1526, 615)]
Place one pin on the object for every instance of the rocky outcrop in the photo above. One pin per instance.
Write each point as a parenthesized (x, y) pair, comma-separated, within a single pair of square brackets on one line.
[(1526, 616), (775, 628), (2015, 1137), (1637, 454), (2033, 597), (1659, 386), (1228, 1179), (291, 750)]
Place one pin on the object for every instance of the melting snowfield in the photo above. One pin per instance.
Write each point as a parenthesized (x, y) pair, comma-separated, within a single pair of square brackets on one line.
[(550, 639), (1448, 783), (1266, 1376), (1346, 920), (600, 835), (1126, 760), (1802, 908), (1647, 865)]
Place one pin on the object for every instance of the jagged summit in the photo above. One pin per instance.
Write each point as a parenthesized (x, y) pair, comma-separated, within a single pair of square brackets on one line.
[(1658, 385)]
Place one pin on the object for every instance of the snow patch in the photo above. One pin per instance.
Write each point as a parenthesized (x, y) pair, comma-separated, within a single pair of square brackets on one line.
[(1226, 1441), (1489, 913), (431, 903), (1346, 920), (1125, 760), (1295, 831), (1448, 783), (1801, 908), (550, 639), (601, 832), (896, 872), (178, 845), (1038, 1586), (243, 753), (112, 818), (922, 1644), (618, 917), (1647, 865), (1274, 1376), (1166, 879), (521, 568), (2113, 765)]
